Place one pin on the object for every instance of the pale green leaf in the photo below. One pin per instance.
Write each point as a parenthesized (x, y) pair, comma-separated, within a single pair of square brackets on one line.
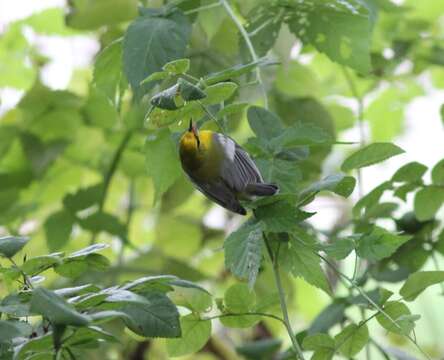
[(428, 201), (418, 282)]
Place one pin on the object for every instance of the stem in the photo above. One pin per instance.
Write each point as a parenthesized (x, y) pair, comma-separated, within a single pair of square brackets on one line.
[(277, 278), (271, 316), (211, 116), (360, 102), (250, 47), (375, 305), (203, 7), (110, 173), (26, 279)]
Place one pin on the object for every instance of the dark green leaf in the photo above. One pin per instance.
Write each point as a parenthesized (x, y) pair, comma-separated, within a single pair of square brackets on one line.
[(190, 92), (259, 349), (302, 135), (243, 251), (168, 99), (341, 30), (428, 201), (58, 228), (286, 174), (371, 198), (83, 198), (279, 216), (151, 41), (265, 124), (333, 314), (371, 154), (10, 245), (395, 310), (418, 282), (36, 265), (339, 249), (379, 244), (55, 308), (100, 221), (157, 318)]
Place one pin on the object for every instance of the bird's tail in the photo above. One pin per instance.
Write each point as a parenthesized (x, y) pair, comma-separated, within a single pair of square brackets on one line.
[(262, 189)]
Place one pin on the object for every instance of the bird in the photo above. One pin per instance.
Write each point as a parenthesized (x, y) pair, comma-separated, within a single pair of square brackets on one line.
[(221, 169)]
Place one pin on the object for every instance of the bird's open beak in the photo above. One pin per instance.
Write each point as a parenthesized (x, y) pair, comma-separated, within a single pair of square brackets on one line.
[(190, 128)]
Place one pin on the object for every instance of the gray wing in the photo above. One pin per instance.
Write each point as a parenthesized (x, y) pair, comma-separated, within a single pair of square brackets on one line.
[(221, 194), (238, 169)]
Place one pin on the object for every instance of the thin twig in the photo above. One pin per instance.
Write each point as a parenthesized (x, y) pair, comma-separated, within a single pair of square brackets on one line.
[(275, 262), (271, 316), (26, 279), (203, 7), (250, 47)]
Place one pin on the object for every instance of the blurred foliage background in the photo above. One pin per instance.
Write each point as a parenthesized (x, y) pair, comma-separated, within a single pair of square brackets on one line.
[(80, 165)]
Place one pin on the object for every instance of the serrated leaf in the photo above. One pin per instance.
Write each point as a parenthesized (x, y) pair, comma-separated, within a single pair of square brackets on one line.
[(151, 41), (286, 174), (55, 308), (107, 73), (379, 244), (158, 318), (264, 123), (279, 216), (10, 245), (243, 251), (411, 172), (177, 67), (301, 259), (195, 334), (161, 160), (370, 155), (339, 249), (395, 310), (352, 339), (342, 31), (428, 201), (418, 282)]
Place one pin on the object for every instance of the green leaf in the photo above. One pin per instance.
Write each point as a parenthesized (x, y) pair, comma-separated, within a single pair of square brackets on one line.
[(338, 183), (370, 154), (352, 339), (194, 299), (333, 314), (58, 227), (55, 308), (286, 174), (219, 92), (302, 135), (396, 311), (151, 41), (161, 160), (265, 124), (341, 30), (82, 253), (302, 261), (177, 67), (231, 109), (297, 80), (438, 173), (243, 251), (279, 216), (83, 198), (259, 349), (411, 172), (418, 282), (371, 199), (428, 201), (38, 264), (157, 318), (318, 341), (86, 15), (195, 334), (379, 244), (100, 221), (155, 76), (339, 249), (107, 73), (239, 298), (168, 99), (10, 245)]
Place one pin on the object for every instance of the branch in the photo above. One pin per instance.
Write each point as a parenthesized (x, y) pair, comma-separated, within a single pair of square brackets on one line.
[(274, 260), (250, 46)]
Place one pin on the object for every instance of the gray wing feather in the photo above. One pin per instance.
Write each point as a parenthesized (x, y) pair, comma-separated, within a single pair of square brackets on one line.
[(238, 169)]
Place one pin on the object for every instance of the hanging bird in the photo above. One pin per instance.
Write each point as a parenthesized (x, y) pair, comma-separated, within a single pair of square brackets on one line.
[(221, 169)]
